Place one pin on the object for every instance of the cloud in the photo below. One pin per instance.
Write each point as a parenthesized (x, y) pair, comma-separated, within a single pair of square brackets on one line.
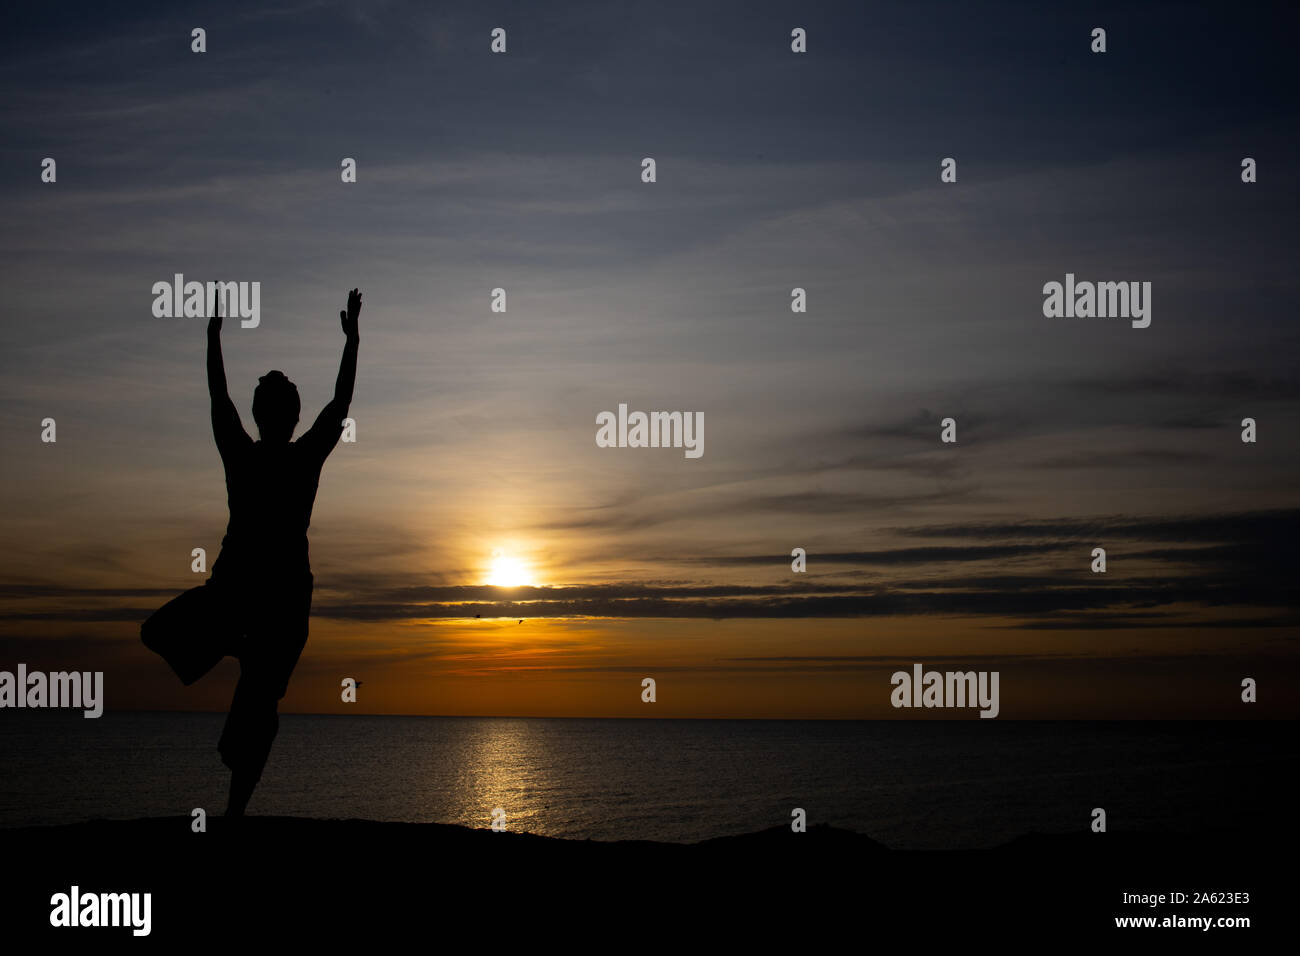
[(1266, 525), (1244, 560), (894, 557)]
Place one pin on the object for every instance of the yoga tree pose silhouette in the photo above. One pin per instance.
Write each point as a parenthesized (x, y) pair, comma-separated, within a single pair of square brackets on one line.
[(255, 604)]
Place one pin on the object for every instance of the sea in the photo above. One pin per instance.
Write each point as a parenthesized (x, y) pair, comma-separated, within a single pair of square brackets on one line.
[(908, 784)]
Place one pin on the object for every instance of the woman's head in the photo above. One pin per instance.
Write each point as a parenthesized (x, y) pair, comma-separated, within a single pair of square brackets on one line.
[(276, 407)]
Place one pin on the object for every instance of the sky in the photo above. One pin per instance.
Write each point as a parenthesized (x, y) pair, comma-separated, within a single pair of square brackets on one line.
[(774, 170)]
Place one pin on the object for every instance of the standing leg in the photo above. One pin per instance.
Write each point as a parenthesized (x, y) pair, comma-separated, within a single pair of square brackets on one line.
[(268, 656), (242, 783), (246, 740)]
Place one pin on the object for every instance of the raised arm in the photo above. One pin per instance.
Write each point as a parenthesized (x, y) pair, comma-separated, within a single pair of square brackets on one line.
[(325, 431), (227, 429), (348, 364)]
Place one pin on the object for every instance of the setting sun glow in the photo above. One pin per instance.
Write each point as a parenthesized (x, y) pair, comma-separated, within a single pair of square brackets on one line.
[(507, 572)]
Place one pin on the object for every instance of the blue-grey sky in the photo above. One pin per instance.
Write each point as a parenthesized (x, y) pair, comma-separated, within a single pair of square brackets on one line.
[(774, 170)]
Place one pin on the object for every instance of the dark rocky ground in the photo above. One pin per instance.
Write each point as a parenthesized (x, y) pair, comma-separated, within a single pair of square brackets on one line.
[(359, 885)]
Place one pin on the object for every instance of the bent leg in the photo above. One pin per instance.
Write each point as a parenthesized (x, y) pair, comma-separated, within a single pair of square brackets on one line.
[(191, 631)]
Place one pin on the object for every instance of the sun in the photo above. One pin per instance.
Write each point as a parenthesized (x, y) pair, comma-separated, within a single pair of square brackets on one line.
[(507, 572)]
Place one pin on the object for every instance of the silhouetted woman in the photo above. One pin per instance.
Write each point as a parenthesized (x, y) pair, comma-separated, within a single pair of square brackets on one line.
[(254, 606)]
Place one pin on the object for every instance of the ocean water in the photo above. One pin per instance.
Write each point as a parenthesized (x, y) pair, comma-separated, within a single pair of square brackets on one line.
[(908, 784)]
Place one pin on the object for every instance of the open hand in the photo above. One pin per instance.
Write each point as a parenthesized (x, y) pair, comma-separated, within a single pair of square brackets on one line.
[(349, 318)]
